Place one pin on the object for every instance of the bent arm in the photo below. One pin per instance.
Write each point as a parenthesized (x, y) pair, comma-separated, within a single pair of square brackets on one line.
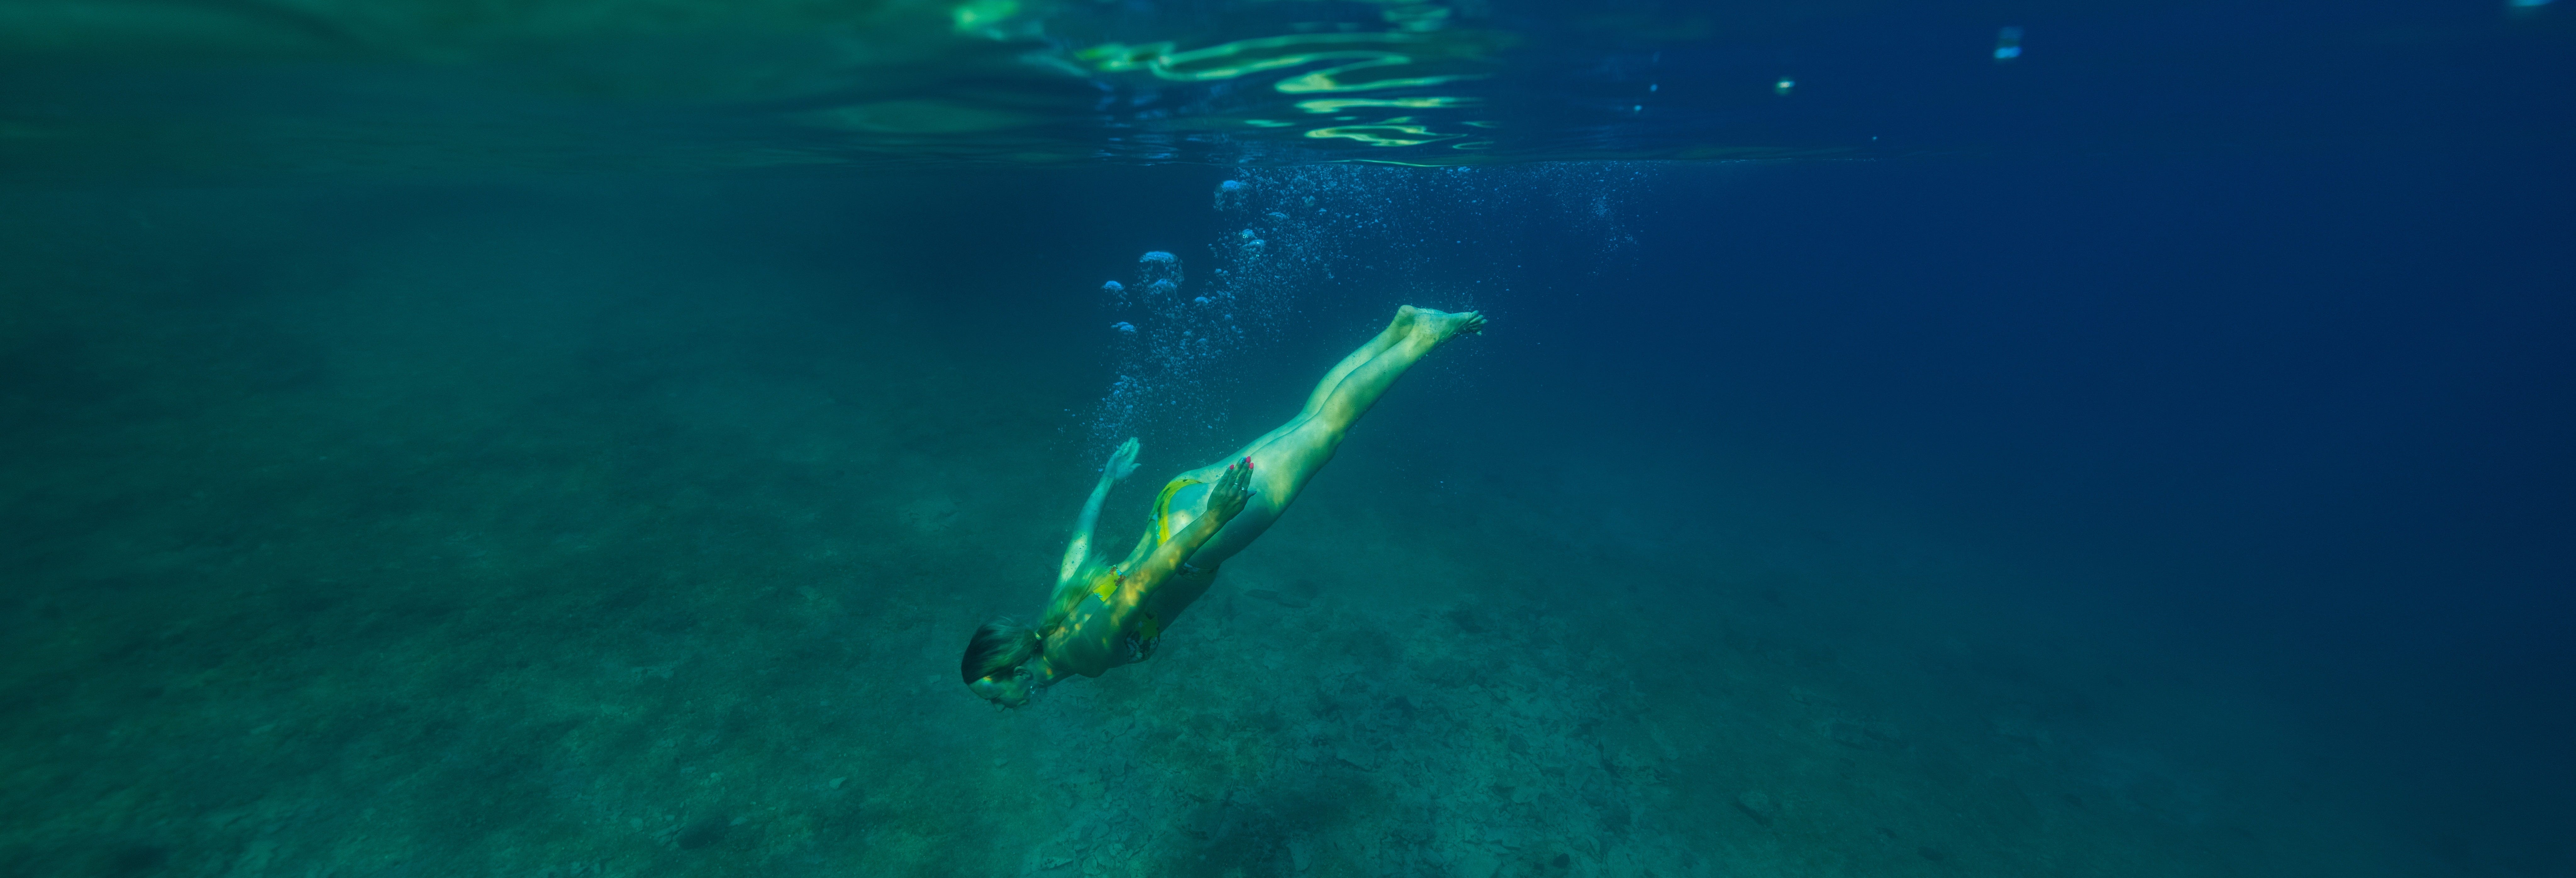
[(1225, 500), (1159, 566)]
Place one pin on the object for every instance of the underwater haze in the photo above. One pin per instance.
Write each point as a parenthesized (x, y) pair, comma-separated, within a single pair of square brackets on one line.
[(558, 438)]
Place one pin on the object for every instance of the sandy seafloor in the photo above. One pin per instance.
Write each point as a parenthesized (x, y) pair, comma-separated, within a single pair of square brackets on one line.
[(490, 542)]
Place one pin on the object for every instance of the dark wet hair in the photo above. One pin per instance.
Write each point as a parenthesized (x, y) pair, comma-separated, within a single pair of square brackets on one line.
[(999, 646)]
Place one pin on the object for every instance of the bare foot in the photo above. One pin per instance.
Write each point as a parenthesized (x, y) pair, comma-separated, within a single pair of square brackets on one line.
[(1405, 317), (1441, 325)]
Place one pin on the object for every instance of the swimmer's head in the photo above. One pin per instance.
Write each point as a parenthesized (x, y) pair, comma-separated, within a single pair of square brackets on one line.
[(996, 659)]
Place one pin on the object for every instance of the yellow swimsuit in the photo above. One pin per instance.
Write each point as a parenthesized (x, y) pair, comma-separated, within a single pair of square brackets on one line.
[(1163, 508)]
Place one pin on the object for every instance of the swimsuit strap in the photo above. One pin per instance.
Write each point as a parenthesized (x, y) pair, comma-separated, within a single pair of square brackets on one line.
[(1163, 508), (1106, 586)]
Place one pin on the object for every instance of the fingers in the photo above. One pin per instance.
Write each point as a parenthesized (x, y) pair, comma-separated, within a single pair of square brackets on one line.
[(1236, 486), (1233, 494)]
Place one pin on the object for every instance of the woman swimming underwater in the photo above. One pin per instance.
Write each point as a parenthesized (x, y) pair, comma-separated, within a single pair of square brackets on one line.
[(1104, 615)]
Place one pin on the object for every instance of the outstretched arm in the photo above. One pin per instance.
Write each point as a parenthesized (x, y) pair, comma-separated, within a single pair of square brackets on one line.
[(1226, 498), (1121, 464)]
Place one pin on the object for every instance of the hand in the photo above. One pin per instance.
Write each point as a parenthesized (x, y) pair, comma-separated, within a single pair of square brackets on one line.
[(1122, 462), (1232, 490)]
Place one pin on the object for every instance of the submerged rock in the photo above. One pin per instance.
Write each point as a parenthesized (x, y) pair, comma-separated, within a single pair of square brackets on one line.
[(1757, 805)]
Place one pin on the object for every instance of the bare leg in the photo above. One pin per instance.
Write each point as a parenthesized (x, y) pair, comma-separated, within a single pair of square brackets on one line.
[(1418, 331), (1395, 331), (1285, 458)]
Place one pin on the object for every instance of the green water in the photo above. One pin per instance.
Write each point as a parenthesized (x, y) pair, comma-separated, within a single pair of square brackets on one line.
[(577, 437), (485, 538)]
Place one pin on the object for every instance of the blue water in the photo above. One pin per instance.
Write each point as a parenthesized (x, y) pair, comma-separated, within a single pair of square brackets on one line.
[(579, 440)]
